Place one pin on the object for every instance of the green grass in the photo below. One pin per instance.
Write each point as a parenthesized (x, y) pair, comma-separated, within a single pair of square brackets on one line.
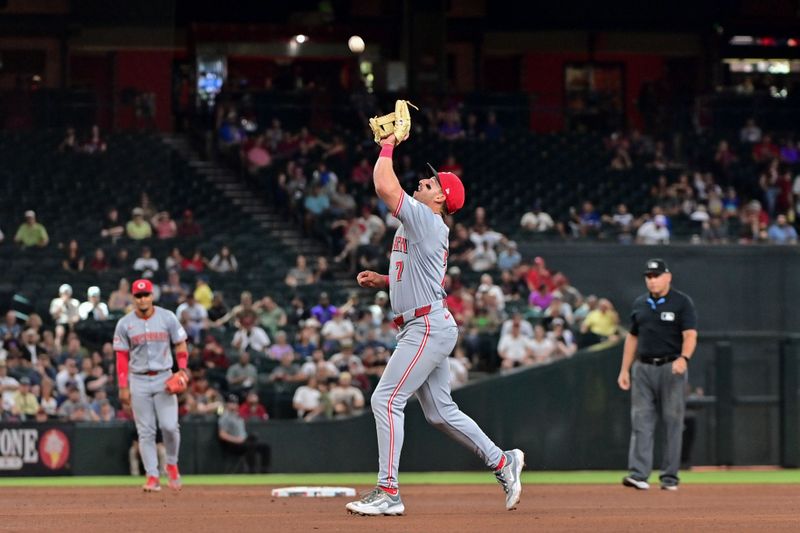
[(432, 478)]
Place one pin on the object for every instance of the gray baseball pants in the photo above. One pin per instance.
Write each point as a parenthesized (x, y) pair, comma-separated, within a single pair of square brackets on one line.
[(151, 403), (656, 393), (419, 365)]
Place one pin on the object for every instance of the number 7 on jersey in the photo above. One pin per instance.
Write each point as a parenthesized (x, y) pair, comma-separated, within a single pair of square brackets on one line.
[(399, 268)]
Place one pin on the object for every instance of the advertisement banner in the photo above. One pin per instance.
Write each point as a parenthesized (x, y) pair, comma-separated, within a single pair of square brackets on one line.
[(32, 449)]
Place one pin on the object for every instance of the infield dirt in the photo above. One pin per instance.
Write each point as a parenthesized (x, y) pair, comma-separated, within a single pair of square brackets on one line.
[(440, 508)]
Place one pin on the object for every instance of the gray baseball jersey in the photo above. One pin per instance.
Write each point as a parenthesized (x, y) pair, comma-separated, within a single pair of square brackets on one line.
[(419, 363), (148, 341), (419, 257)]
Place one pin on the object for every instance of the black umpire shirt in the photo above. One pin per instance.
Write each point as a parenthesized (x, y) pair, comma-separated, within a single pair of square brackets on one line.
[(659, 323)]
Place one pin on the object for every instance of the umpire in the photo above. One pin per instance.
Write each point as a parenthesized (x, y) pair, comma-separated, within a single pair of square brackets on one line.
[(658, 348)]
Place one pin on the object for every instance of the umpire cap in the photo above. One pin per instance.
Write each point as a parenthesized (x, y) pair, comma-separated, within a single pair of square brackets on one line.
[(452, 188), (656, 266)]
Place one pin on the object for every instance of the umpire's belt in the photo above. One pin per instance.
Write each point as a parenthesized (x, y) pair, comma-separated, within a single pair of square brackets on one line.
[(408, 316), (658, 361)]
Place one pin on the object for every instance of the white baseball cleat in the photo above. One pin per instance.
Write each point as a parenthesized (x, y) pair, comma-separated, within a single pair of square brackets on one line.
[(510, 478), (377, 502)]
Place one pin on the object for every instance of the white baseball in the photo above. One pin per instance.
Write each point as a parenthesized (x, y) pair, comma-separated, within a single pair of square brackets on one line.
[(356, 44)]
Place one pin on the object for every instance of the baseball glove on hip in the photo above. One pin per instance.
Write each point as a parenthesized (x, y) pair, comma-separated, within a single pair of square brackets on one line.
[(398, 123), (177, 382)]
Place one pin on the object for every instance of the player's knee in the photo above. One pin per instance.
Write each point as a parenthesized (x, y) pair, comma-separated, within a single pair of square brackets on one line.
[(170, 427), (146, 434), (379, 402), (434, 419)]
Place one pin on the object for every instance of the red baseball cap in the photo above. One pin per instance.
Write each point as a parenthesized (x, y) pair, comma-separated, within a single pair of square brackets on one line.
[(453, 189), (142, 286)]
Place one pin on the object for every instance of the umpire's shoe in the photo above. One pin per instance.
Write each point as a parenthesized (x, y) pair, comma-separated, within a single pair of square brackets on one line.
[(377, 502), (509, 477), (638, 484)]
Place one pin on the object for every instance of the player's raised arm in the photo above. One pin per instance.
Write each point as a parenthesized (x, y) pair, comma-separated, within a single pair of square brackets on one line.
[(386, 183)]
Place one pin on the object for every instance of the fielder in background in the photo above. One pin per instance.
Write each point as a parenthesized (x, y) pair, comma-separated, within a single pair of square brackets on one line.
[(142, 341), (428, 332), (655, 360)]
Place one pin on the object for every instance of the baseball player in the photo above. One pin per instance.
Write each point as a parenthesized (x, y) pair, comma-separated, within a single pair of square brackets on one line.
[(428, 334), (142, 341)]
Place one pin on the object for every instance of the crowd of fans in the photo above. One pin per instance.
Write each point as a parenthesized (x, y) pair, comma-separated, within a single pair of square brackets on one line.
[(744, 190)]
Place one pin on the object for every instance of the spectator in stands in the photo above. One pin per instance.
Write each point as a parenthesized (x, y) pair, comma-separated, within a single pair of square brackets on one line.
[(271, 316), (621, 223), (484, 256), (202, 399), (112, 227), (75, 408), (538, 275), (146, 264), (336, 330), (121, 299), (324, 310), (93, 308), (138, 228), (70, 142), (46, 398), (540, 299), (174, 260), (99, 263), (450, 127), (188, 226), (724, 159), (173, 291), (165, 226), (280, 347), (790, 152), (525, 327), (242, 375), (318, 366), (306, 399), (252, 409), (750, 132), (95, 380), (257, 157), (514, 348), (234, 438), (64, 309), (95, 144), (193, 317), (753, 223), (316, 204), (24, 404), (73, 259), (536, 220), (346, 357), (765, 150), (558, 309), (563, 338), (287, 372), (361, 175), (31, 233), (299, 275), (347, 400), (196, 264), (653, 231), (601, 324), (203, 293), (341, 201), (224, 261), (509, 257), (120, 262), (542, 347), (622, 159), (781, 232), (10, 329), (250, 337)]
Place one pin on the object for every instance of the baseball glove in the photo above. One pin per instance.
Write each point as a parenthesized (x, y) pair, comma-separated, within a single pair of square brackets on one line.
[(398, 123), (177, 382)]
